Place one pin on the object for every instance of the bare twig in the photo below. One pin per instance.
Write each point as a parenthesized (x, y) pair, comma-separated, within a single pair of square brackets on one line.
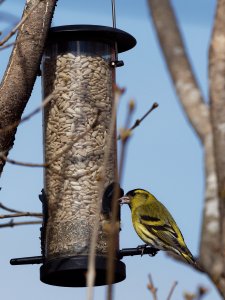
[(139, 121), (92, 253), (7, 46), (152, 288), (21, 214), (172, 290), (198, 295), (2, 206), (189, 296), (125, 133), (14, 30), (27, 117), (202, 291), (66, 148), (18, 213), (20, 163), (15, 124), (74, 139), (11, 223)]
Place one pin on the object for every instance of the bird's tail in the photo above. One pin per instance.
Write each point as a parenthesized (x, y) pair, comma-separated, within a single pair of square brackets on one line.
[(189, 257), (192, 261)]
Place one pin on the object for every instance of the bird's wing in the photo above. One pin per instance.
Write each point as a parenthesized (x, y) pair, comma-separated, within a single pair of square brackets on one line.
[(162, 229)]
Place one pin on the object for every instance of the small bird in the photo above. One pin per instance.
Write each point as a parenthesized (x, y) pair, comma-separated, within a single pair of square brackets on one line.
[(155, 225)]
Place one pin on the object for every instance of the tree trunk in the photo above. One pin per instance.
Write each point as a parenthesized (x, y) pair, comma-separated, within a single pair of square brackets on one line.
[(22, 69), (211, 257), (217, 98)]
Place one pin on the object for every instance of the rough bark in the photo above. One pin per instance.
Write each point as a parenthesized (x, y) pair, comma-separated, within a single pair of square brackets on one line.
[(198, 113), (209, 254), (217, 98), (22, 69), (179, 66)]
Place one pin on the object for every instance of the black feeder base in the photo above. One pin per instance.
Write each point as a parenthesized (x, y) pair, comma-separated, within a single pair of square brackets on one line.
[(71, 271)]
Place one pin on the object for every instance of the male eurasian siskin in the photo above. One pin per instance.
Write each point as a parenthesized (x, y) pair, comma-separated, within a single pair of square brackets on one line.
[(155, 225)]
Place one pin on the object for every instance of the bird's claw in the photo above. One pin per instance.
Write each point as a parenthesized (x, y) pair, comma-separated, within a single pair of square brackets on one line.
[(152, 251), (142, 248)]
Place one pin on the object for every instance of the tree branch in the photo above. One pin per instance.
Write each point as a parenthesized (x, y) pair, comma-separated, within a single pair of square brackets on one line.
[(92, 253), (172, 290), (197, 112), (11, 223), (28, 116), (22, 69), (152, 287), (58, 154), (179, 66), (18, 213), (210, 256), (217, 98), (22, 214), (14, 30), (2, 206), (15, 211), (21, 163), (139, 121), (125, 134), (74, 139), (7, 46)]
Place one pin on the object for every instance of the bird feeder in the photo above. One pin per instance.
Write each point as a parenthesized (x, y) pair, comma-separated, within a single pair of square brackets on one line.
[(78, 76)]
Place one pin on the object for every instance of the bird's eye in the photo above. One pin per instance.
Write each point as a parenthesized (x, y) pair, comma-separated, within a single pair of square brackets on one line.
[(131, 193), (145, 195)]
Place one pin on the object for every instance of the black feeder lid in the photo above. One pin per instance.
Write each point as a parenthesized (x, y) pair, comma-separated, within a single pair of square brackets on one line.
[(96, 33), (72, 271)]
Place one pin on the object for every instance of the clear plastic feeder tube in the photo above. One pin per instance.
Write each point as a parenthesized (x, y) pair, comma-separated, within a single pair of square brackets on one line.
[(80, 80)]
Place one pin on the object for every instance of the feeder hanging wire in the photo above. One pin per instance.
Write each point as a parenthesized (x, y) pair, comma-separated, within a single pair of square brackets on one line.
[(113, 13), (116, 62)]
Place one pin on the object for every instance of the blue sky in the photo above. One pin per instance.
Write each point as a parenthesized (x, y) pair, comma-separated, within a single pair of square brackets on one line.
[(164, 155)]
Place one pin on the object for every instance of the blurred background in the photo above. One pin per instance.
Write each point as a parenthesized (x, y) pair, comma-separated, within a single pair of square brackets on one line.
[(164, 155)]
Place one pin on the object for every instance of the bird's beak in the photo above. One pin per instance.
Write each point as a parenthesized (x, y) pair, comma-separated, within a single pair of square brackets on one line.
[(124, 200)]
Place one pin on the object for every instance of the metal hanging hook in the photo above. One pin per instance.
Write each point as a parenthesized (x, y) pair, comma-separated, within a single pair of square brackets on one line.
[(115, 63)]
